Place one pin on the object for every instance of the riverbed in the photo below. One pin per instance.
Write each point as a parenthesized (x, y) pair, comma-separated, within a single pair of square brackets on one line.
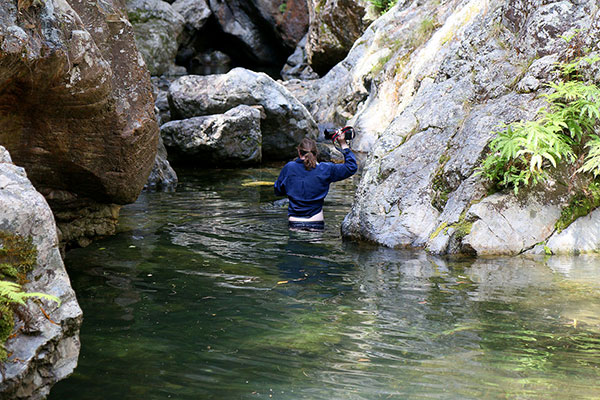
[(205, 294)]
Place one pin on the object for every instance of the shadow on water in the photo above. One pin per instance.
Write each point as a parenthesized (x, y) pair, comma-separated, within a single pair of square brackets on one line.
[(205, 294)]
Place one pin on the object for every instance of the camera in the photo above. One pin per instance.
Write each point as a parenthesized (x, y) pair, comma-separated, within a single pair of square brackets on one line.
[(347, 131)]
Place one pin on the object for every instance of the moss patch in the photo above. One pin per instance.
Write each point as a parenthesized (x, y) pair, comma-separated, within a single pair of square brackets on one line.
[(18, 256), (580, 205), (438, 230), (462, 229), (441, 188)]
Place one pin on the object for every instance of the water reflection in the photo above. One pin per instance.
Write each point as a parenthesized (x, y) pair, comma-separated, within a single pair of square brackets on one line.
[(206, 294)]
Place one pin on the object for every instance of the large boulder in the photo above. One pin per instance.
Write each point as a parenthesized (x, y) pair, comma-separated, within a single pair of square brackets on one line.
[(232, 138), (44, 348), (427, 86), (286, 120), (76, 108), (157, 28), (334, 27)]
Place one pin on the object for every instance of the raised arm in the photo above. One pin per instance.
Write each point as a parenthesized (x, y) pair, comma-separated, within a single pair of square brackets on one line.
[(348, 168)]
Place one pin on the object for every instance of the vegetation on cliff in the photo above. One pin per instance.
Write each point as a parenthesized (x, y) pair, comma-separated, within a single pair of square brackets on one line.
[(17, 257), (524, 153)]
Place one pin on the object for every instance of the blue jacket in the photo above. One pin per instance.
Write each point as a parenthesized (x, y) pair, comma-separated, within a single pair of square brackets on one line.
[(307, 189)]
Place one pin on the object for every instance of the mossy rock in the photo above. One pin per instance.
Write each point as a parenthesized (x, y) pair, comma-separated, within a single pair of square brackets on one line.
[(18, 256), (7, 325)]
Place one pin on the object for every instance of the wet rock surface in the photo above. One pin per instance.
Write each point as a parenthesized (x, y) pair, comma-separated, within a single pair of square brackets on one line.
[(44, 348)]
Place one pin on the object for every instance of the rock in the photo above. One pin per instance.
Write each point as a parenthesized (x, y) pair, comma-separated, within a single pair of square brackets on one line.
[(334, 27), (157, 27), (287, 121), (296, 66), (195, 13), (506, 226), (162, 177), (253, 36), (288, 19), (211, 63), (426, 88), (232, 138), (329, 153), (76, 106), (50, 351), (160, 91), (582, 236)]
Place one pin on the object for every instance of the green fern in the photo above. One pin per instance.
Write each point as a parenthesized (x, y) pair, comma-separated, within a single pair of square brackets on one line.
[(592, 159), (522, 153), (12, 293), (383, 6)]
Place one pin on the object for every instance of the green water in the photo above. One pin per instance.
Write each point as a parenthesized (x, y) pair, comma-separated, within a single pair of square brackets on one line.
[(204, 294)]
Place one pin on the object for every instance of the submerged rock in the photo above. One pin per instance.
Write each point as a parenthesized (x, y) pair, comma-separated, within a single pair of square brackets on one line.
[(232, 138), (286, 120), (426, 87), (76, 108), (44, 349)]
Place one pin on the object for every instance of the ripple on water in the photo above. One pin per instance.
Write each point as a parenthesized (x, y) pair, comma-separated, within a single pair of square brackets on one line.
[(204, 294)]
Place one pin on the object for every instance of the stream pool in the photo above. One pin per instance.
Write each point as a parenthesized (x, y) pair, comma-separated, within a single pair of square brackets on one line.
[(205, 294)]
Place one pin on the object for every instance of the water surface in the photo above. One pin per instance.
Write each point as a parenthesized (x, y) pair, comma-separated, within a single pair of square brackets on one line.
[(204, 294)]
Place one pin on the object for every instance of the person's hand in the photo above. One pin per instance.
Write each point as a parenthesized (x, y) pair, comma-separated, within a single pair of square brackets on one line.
[(342, 141)]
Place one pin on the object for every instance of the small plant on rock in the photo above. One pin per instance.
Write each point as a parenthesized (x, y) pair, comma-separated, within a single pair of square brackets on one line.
[(383, 6)]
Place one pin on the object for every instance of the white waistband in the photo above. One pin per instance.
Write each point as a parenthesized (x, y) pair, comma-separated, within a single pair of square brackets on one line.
[(316, 217)]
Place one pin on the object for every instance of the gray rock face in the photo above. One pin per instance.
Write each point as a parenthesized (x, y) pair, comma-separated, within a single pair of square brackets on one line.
[(426, 88), (582, 236), (195, 13), (287, 121), (255, 26), (334, 27), (296, 66), (157, 27), (232, 138), (48, 352), (503, 226)]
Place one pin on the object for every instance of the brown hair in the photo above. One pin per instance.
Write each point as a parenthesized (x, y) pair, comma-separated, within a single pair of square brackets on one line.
[(308, 149)]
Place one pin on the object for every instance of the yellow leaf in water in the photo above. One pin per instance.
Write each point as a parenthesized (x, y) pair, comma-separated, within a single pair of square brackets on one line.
[(282, 282), (364, 360), (258, 183)]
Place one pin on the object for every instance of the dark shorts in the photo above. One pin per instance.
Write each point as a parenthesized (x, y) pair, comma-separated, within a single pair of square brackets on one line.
[(307, 225)]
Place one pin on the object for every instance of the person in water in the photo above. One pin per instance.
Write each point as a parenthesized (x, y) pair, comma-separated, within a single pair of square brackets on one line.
[(306, 183)]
